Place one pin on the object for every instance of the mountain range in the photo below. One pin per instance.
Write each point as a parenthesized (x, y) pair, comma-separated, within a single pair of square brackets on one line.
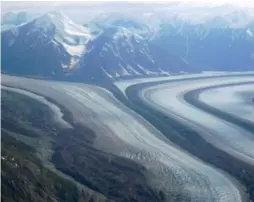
[(114, 46), (212, 46)]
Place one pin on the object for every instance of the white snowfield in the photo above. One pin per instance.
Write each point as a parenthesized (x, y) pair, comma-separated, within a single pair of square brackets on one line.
[(226, 136), (122, 132), (236, 100)]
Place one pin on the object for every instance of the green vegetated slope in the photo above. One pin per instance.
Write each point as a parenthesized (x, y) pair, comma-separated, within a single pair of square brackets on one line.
[(24, 178), (42, 162)]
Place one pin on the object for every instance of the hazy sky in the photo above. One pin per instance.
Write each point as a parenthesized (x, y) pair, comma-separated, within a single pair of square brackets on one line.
[(203, 1), (83, 10), (27, 5)]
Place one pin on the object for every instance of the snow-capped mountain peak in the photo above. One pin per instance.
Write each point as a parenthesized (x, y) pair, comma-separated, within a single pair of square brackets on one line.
[(72, 36), (62, 24), (62, 41), (116, 46), (53, 18)]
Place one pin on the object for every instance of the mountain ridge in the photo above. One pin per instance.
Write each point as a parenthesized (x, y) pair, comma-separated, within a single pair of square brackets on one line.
[(114, 47)]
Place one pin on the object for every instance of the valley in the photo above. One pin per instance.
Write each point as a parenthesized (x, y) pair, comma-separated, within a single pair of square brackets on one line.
[(164, 114), (42, 160), (127, 101), (122, 133)]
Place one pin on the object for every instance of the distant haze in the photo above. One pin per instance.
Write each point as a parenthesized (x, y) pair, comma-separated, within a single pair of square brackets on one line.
[(84, 11)]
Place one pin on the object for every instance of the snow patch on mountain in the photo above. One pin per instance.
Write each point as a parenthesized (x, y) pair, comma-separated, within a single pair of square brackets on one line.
[(146, 71), (74, 50), (249, 32), (123, 71), (73, 37), (64, 26)]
